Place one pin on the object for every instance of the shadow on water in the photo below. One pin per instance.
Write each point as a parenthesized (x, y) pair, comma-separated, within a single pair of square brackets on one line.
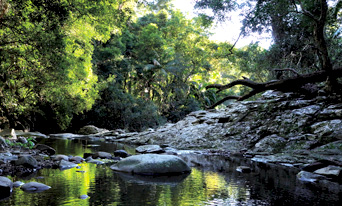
[(213, 181)]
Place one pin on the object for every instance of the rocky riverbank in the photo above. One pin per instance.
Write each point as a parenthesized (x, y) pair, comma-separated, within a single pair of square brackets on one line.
[(279, 128)]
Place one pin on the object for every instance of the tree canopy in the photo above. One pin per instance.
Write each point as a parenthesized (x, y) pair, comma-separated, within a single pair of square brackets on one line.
[(305, 34), (137, 64)]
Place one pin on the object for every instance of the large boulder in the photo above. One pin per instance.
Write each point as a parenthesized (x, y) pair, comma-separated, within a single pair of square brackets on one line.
[(152, 164), (91, 129)]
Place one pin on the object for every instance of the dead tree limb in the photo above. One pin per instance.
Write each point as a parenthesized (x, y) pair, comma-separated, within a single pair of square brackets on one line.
[(285, 85)]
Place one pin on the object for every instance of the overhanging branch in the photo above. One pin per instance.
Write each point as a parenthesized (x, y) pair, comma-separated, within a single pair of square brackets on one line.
[(285, 85)]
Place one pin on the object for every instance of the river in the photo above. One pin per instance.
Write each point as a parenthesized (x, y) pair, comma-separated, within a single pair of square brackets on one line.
[(213, 181)]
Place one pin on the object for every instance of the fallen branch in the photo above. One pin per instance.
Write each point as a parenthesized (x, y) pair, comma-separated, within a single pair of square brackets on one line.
[(285, 85)]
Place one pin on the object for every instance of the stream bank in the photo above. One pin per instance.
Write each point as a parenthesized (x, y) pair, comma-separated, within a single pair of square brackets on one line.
[(278, 129)]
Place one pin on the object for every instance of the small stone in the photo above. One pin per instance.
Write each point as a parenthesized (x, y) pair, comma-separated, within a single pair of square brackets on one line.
[(61, 157), (102, 155), (243, 169), (98, 162), (84, 197), (22, 140), (76, 159), (149, 149), (121, 153), (18, 184), (66, 165)]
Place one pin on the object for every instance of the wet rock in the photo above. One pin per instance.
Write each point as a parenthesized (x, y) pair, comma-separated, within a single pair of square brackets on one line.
[(243, 169), (3, 142), (309, 177), (270, 144), (42, 148), (18, 184), (65, 136), (94, 161), (76, 159), (271, 94), (102, 155), (34, 187), (22, 140), (149, 149), (31, 134), (7, 157), (88, 158), (84, 197), (6, 185), (91, 129), (152, 164), (121, 153), (332, 128), (60, 157), (63, 165), (332, 171), (27, 161)]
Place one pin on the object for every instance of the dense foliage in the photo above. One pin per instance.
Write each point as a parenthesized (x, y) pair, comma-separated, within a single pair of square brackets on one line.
[(136, 64)]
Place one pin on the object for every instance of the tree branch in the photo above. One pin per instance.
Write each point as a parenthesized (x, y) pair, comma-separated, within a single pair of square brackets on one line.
[(285, 85)]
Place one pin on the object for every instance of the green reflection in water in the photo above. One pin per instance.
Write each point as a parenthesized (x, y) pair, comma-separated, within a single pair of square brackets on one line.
[(105, 187)]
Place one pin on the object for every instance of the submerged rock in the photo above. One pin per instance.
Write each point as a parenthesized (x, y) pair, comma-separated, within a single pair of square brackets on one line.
[(84, 197), (152, 164), (94, 161), (34, 187), (66, 165)]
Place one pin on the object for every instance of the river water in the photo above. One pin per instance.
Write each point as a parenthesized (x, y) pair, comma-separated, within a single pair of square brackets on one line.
[(213, 181)]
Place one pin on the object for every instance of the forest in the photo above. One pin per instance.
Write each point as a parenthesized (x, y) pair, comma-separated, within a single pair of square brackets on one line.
[(137, 64)]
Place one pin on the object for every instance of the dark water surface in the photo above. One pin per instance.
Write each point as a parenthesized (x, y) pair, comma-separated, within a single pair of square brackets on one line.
[(213, 181)]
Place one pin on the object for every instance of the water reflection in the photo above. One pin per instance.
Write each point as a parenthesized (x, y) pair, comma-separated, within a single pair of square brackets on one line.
[(213, 181)]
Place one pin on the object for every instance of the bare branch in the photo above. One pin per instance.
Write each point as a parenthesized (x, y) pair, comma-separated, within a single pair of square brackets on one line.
[(245, 82), (285, 85)]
